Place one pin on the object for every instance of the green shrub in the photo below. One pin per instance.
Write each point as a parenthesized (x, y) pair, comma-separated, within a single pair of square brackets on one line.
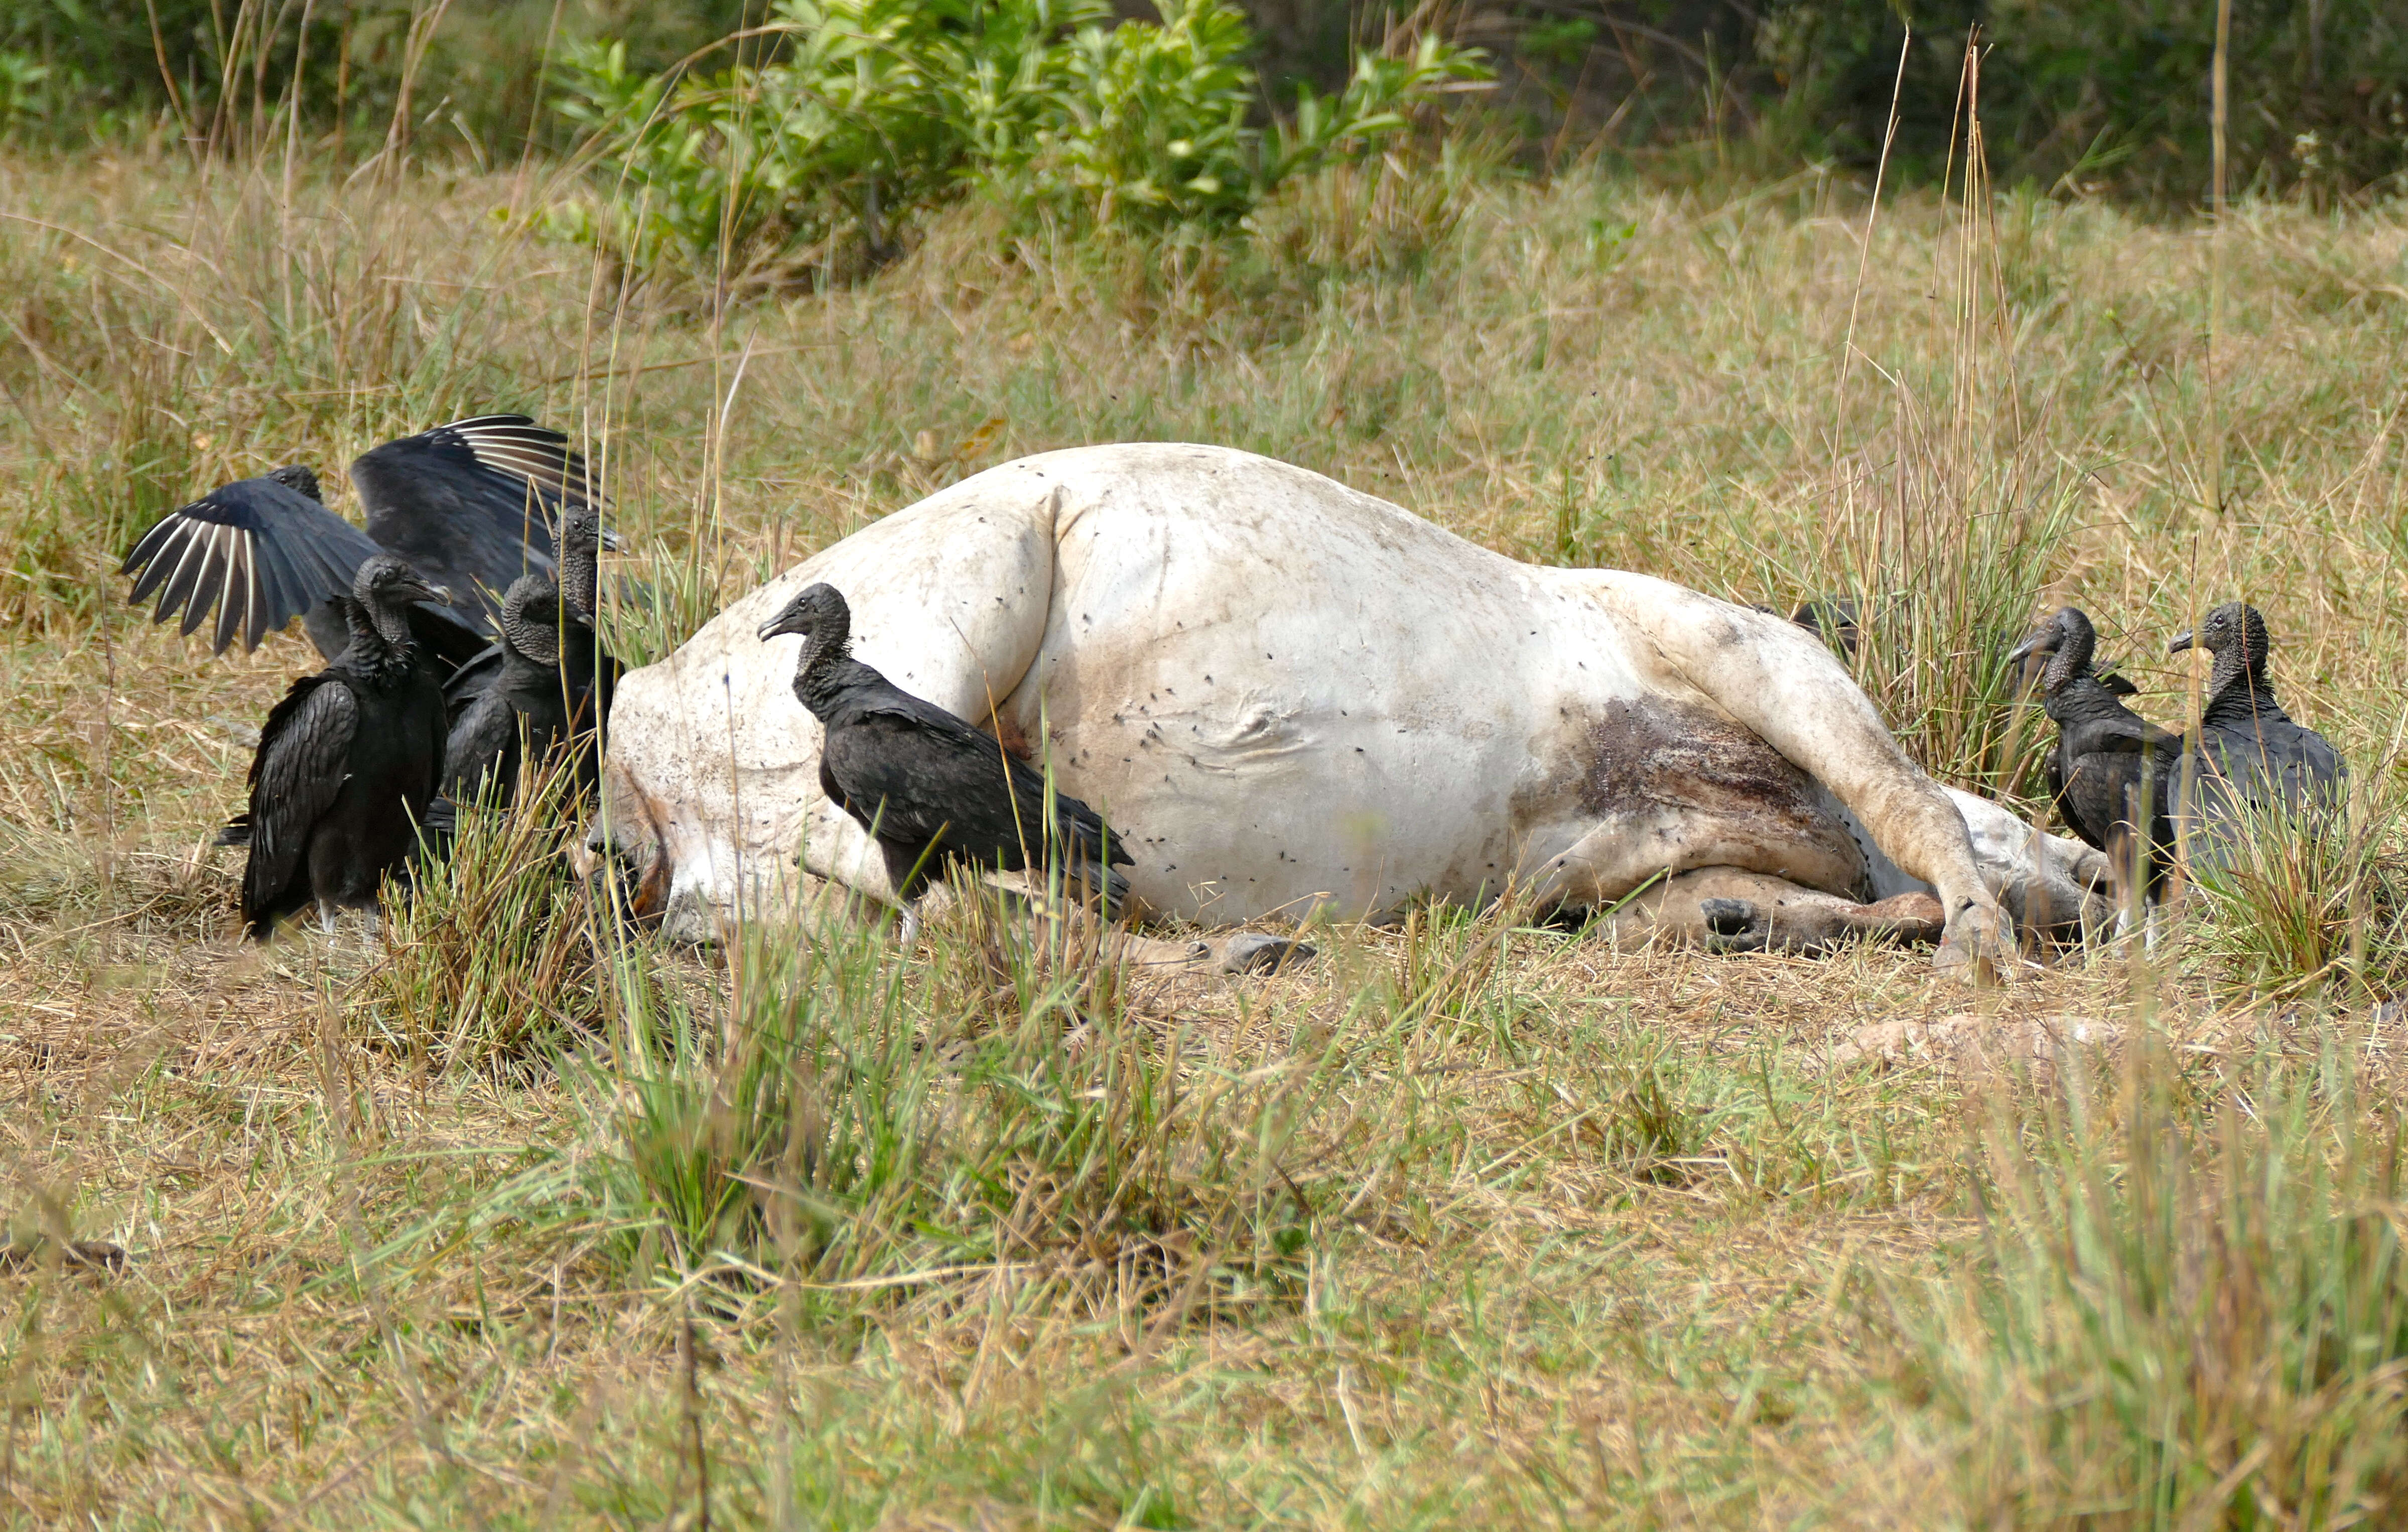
[(1147, 122), (464, 76), (873, 112), (2111, 95), (21, 78)]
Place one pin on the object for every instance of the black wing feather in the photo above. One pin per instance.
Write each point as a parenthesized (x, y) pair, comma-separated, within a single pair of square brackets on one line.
[(472, 679), (283, 587), (472, 504), (516, 444), (2127, 735), (257, 551), (330, 570), (143, 557), (295, 779), (443, 637), (922, 772), (2283, 764), (204, 569), (150, 563), (184, 560), (483, 748), (244, 603)]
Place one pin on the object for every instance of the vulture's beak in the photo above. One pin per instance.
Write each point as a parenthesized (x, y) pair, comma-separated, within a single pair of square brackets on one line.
[(2030, 647), (785, 621), (612, 542), (437, 595), (2182, 641)]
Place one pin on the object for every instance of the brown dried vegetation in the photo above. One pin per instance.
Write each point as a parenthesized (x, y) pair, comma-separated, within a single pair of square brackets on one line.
[(1469, 1223)]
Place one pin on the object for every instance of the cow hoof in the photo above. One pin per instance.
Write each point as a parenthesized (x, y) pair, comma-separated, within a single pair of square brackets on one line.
[(1255, 953), (1906, 917), (1976, 948), (1734, 926)]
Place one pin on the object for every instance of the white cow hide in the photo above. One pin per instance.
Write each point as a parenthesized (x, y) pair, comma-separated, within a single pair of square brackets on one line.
[(1293, 698)]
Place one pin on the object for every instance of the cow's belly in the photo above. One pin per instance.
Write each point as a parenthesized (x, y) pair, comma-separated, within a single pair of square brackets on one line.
[(1281, 729), (1644, 784), (1262, 797), (1433, 733)]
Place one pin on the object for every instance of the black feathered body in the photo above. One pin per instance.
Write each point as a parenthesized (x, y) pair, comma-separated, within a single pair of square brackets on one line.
[(592, 676), (2248, 761), (2107, 771), (523, 715), (589, 674), (2108, 775), (346, 766), (933, 790)]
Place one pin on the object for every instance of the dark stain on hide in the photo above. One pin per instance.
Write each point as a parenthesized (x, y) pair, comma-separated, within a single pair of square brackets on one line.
[(1009, 733), (650, 897), (1640, 754)]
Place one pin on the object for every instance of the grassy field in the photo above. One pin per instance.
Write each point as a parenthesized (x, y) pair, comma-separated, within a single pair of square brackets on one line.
[(520, 1220)]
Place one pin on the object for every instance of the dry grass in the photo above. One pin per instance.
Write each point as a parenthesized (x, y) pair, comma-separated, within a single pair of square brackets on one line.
[(1466, 1224)]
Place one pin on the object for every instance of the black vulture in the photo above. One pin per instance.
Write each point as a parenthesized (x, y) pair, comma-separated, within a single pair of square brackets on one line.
[(593, 673), (470, 504), (2248, 760), (1837, 620), (1832, 619), (591, 668), (525, 712), (346, 763), (2108, 774), (928, 786)]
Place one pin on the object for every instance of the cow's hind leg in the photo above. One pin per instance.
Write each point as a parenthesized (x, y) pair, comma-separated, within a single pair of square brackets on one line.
[(1726, 909), (1772, 677)]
